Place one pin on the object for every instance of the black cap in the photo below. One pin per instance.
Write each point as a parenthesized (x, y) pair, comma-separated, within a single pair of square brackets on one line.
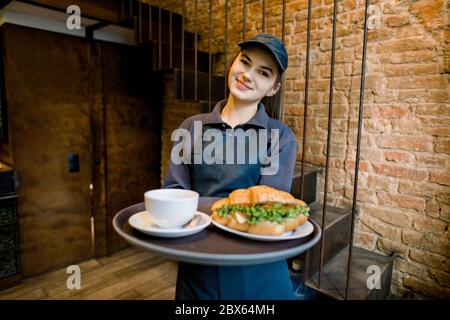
[(273, 44)]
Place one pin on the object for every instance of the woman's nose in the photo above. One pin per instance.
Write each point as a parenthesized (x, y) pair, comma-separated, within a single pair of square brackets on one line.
[(246, 76)]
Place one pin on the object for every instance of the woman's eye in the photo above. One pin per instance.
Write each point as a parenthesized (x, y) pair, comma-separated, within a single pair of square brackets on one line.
[(265, 74), (244, 62)]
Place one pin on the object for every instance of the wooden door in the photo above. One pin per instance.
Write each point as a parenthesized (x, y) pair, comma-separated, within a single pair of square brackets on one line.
[(48, 111)]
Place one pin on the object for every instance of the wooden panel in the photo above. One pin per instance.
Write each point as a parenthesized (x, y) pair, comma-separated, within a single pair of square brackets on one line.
[(46, 82), (98, 150), (99, 9), (5, 148), (133, 133)]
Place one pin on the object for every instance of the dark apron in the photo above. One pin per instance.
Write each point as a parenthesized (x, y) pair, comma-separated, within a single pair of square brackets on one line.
[(269, 281)]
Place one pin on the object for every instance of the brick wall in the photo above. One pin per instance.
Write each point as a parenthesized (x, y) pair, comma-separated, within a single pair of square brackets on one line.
[(404, 185)]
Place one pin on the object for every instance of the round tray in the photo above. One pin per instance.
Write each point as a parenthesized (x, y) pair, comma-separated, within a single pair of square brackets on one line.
[(213, 246)]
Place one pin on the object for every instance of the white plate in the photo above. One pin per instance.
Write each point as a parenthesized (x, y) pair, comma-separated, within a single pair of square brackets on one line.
[(302, 231), (142, 222)]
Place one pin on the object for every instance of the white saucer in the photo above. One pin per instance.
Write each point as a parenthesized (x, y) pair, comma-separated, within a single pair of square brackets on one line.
[(142, 222), (302, 231)]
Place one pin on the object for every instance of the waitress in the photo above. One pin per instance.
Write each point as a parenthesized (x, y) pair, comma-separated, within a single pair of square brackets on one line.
[(255, 74)]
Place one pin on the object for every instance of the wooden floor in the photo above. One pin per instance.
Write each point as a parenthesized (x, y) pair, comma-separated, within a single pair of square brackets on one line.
[(129, 274)]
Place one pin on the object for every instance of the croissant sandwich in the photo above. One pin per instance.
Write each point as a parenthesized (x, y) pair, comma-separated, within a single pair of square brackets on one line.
[(260, 210)]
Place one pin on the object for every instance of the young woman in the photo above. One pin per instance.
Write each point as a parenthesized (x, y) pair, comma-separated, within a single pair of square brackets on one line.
[(255, 74)]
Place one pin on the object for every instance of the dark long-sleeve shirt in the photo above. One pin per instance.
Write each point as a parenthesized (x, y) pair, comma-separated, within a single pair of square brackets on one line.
[(214, 177), (179, 175)]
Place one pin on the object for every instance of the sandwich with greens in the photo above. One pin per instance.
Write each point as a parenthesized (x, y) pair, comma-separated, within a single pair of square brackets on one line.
[(260, 210)]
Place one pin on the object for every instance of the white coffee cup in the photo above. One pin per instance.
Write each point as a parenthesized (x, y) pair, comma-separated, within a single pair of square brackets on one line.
[(171, 208)]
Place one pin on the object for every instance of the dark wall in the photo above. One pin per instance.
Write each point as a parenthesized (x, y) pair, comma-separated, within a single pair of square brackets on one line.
[(48, 115), (67, 95), (133, 128)]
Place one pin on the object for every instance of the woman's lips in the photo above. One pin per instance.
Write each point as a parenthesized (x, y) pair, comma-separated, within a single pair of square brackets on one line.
[(242, 86)]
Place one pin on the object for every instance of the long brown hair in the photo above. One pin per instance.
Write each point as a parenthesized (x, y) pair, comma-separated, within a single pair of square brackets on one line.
[(273, 103)]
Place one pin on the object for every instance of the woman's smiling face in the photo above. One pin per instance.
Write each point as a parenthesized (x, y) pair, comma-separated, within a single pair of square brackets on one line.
[(253, 75)]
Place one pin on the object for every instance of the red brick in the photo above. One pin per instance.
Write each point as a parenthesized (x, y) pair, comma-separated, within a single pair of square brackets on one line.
[(447, 53), (320, 85), (442, 145), (402, 201), (411, 44), (398, 156), (340, 110), (376, 83), (380, 34), (390, 112), (443, 195), (419, 56), (406, 143), (399, 172), (417, 189), (412, 238), (430, 259), (299, 85), (367, 141), (366, 240), (292, 97), (314, 148), (391, 247), (377, 182), (385, 230), (296, 6), (321, 12), (295, 61), (437, 96), (315, 98), (347, 5), (437, 244), (432, 122), (428, 289), (432, 208), (433, 109), (397, 21), (437, 131), (429, 12), (430, 161), (345, 56), (412, 30), (377, 125), (443, 278), (407, 125), (410, 267), (389, 215), (350, 165), (368, 154), (430, 225), (441, 178), (340, 125), (364, 195), (351, 41), (412, 70), (430, 82), (390, 8), (295, 110)]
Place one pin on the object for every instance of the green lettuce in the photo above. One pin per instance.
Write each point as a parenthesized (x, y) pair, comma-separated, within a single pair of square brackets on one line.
[(256, 213)]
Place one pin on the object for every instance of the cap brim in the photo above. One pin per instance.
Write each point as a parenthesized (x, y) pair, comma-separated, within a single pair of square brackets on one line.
[(244, 43)]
